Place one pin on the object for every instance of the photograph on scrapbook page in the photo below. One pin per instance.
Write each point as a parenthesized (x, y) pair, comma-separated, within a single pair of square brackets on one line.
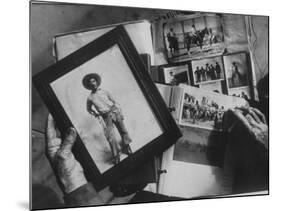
[(193, 36), (205, 109), (207, 70)]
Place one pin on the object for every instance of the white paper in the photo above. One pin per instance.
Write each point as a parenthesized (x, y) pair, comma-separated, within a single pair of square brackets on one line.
[(165, 91), (196, 174), (139, 32), (197, 177)]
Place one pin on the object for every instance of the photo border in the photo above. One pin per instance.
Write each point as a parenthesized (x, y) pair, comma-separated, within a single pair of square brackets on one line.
[(180, 64), (170, 130)]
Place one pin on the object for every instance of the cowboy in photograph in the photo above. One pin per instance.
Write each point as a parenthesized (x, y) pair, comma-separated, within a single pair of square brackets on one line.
[(173, 41), (218, 70), (198, 73), (104, 107), (236, 75)]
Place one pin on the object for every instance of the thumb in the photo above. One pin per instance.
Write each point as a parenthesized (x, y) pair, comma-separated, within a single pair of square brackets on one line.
[(227, 120), (53, 143), (69, 140)]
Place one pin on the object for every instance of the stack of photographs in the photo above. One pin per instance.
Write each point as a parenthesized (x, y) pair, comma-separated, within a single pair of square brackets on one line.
[(226, 74), (196, 53)]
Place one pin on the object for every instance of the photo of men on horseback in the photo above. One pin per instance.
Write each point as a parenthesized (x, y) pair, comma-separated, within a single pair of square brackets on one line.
[(193, 36), (204, 109)]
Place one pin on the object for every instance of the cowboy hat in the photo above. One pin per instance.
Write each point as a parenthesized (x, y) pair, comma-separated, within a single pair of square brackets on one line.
[(87, 78)]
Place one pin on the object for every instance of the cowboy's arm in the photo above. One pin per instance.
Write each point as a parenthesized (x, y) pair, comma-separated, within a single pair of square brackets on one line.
[(90, 109), (115, 103)]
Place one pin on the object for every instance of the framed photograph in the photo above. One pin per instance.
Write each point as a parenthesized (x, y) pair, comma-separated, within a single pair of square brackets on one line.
[(205, 109), (176, 74), (104, 91), (192, 36), (236, 70), (207, 70)]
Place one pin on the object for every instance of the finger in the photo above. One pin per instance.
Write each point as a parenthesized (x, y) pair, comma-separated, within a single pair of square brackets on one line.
[(260, 114), (243, 120), (69, 140), (248, 110), (227, 121), (254, 115), (252, 121), (53, 142), (243, 109), (53, 147), (51, 132)]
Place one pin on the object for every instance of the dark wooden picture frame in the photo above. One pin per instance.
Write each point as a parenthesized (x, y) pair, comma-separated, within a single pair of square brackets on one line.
[(170, 130)]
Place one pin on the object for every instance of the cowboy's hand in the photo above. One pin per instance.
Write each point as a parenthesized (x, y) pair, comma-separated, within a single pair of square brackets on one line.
[(67, 168), (252, 119)]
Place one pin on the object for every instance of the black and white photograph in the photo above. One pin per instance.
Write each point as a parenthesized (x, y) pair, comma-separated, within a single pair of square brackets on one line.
[(196, 36), (205, 109), (212, 86), (207, 70), (195, 148), (101, 102), (176, 74), (136, 105), (237, 70), (243, 92), (103, 99), (196, 161)]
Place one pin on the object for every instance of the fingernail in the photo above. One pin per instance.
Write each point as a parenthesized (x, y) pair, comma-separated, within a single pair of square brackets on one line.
[(71, 131), (50, 117)]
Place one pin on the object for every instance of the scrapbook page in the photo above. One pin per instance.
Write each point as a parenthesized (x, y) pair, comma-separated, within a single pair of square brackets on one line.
[(197, 160)]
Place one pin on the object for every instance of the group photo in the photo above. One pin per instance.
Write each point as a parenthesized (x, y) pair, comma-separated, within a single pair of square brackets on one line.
[(202, 112), (207, 70), (205, 109)]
